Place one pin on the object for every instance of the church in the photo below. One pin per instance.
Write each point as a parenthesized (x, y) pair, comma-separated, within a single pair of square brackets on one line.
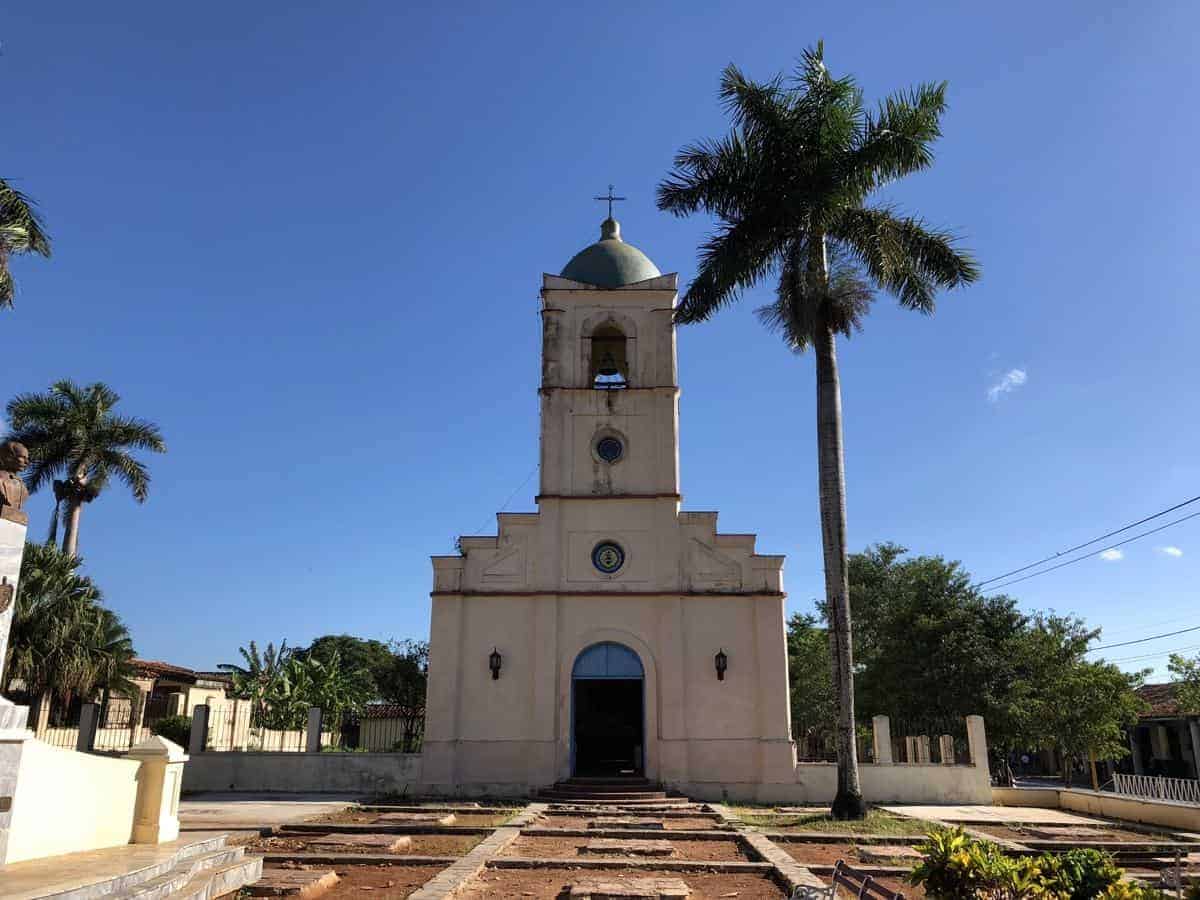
[(610, 633)]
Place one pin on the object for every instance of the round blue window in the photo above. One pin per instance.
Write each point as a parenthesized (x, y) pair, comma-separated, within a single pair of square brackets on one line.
[(609, 449), (608, 557)]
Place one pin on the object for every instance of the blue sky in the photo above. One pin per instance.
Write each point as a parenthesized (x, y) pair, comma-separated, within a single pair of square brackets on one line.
[(307, 241)]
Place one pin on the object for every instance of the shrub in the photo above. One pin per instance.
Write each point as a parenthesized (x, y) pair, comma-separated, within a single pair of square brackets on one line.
[(174, 728), (958, 867)]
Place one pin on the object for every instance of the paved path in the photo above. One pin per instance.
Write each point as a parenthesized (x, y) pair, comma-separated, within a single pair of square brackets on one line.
[(992, 814), (209, 811)]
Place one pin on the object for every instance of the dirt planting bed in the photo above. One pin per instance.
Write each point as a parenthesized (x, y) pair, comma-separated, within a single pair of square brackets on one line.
[(544, 884), (379, 881), (891, 883), (691, 823), (422, 845), (532, 847)]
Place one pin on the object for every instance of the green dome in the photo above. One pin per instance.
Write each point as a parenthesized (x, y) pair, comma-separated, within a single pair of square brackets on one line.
[(610, 262)]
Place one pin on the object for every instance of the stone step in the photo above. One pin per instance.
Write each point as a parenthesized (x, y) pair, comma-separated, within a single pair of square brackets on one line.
[(177, 878), (221, 881), (184, 872), (578, 794), (128, 883)]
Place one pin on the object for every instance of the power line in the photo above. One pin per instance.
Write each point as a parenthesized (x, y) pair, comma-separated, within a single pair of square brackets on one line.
[(504, 505), (1153, 655), (1096, 552), (1089, 543), (1145, 639)]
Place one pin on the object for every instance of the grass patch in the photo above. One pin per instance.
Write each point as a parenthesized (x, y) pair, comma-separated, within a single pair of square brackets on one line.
[(876, 822)]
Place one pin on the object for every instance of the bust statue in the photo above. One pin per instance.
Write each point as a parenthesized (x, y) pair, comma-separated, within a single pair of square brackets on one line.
[(13, 493)]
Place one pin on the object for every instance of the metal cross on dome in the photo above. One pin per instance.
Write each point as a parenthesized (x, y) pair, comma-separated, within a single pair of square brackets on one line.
[(610, 198)]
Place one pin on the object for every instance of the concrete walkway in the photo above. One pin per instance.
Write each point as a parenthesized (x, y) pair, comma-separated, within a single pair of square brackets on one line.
[(218, 811), (994, 815)]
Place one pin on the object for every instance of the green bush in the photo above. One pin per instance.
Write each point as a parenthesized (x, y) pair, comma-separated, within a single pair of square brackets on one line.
[(177, 729), (958, 867)]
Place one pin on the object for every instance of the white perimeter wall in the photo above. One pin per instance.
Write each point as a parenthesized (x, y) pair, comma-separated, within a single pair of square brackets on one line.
[(367, 773), (66, 802)]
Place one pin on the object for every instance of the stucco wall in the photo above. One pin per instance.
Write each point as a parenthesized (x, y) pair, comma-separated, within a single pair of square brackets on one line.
[(1166, 813), (517, 730), (367, 773), (57, 799)]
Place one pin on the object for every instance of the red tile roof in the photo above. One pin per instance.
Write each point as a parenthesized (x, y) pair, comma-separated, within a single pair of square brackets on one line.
[(158, 667), (1161, 699)]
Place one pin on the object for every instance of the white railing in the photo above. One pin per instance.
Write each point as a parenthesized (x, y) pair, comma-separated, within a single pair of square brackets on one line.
[(1181, 790)]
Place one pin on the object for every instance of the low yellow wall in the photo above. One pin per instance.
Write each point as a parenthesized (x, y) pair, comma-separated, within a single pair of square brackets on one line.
[(66, 802), (1164, 813)]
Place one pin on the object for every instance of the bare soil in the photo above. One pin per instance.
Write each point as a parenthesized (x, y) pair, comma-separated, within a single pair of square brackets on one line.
[(422, 845), (543, 884), (570, 847), (359, 817), (697, 823), (390, 882), (821, 854), (910, 891)]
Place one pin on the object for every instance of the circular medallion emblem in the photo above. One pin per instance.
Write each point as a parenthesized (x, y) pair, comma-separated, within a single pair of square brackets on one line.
[(608, 557), (609, 449)]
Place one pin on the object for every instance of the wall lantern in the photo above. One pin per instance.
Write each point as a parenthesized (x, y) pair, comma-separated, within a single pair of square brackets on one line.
[(722, 663), (494, 660)]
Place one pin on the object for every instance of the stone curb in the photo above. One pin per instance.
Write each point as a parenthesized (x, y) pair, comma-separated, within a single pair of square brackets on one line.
[(730, 866), (787, 871), (825, 837), (298, 828), (665, 834), (450, 881), (360, 859)]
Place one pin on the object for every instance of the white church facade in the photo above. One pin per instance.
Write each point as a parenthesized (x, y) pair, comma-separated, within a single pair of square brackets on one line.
[(610, 632)]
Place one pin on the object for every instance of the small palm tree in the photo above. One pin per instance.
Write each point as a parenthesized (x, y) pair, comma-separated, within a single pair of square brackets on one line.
[(63, 640), (72, 431), (790, 186), (21, 231), (263, 680)]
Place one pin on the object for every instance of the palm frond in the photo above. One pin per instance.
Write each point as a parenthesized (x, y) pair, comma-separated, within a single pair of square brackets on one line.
[(731, 260), (897, 139), (904, 255), (799, 306)]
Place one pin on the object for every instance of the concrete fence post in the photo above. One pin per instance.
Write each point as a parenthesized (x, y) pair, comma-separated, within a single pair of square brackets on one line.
[(198, 741), (89, 719), (946, 749), (977, 741), (312, 742), (881, 729), (160, 778)]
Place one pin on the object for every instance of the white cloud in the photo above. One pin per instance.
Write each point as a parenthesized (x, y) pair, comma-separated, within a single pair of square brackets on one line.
[(1112, 554), (1009, 382), (1170, 551)]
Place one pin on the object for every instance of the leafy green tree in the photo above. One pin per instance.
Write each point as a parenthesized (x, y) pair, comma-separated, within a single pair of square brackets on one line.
[(1186, 675), (72, 431), (790, 185), (1082, 710), (931, 648), (327, 683), (813, 704), (21, 231), (63, 640), (362, 657), (405, 685)]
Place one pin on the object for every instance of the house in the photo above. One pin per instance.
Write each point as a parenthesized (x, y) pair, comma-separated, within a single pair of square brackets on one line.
[(1164, 741)]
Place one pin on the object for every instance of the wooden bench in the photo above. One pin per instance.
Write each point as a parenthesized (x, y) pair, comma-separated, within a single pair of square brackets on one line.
[(858, 883)]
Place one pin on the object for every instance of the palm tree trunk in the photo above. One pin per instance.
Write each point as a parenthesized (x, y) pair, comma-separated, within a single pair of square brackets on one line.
[(848, 802), (70, 542)]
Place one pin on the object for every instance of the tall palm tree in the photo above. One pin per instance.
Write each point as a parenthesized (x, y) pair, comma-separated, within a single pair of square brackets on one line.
[(790, 186), (21, 231), (72, 431), (64, 641)]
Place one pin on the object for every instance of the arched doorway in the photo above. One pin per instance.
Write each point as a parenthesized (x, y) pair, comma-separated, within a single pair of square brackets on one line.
[(607, 712)]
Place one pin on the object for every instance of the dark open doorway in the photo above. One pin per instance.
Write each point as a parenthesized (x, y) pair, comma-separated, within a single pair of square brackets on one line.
[(608, 726)]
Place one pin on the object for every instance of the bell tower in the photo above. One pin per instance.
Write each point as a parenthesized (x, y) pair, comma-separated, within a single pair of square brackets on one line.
[(609, 392)]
